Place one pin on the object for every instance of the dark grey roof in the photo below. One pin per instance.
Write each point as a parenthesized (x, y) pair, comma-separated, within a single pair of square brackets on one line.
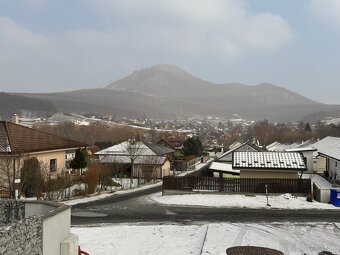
[(269, 160), (242, 147), (4, 141), (159, 150)]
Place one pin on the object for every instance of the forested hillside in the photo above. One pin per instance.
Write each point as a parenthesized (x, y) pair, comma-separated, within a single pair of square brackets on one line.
[(14, 104)]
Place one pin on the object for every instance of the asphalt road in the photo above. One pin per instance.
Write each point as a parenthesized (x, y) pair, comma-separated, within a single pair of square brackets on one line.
[(138, 207)]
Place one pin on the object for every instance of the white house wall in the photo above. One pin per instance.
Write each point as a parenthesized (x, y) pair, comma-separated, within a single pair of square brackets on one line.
[(309, 160), (56, 229), (320, 164), (334, 168)]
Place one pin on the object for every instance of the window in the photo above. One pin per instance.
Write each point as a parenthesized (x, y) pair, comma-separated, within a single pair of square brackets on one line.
[(53, 165), (336, 163)]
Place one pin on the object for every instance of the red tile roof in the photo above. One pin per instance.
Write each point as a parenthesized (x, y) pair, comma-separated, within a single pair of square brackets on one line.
[(15, 138)]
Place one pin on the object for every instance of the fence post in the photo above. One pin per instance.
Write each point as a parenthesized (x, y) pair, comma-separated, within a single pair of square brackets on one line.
[(220, 180), (163, 187)]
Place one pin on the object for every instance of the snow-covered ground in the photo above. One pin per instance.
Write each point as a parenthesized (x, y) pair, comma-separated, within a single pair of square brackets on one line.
[(95, 197), (284, 201), (215, 238), (207, 239)]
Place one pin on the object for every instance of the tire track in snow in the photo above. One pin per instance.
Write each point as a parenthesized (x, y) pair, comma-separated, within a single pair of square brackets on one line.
[(204, 239)]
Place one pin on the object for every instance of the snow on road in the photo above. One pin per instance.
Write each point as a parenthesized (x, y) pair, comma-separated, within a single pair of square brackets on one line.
[(207, 239), (284, 201), (95, 197)]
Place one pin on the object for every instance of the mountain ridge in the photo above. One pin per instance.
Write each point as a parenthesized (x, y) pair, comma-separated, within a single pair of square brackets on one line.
[(168, 92), (167, 80), (15, 104)]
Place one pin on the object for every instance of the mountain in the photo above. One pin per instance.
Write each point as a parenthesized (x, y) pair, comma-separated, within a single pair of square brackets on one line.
[(162, 81), (15, 104), (168, 81), (166, 91)]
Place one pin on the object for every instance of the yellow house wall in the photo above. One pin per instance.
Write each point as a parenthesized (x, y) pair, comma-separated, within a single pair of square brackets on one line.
[(43, 157), (268, 174), (146, 171), (153, 171), (166, 168), (47, 156)]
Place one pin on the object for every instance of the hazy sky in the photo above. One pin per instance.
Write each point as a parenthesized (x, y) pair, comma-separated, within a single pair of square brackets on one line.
[(56, 45)]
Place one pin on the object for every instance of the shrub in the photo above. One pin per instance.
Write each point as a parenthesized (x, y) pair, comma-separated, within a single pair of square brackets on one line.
[(92, 177), (31, 178)]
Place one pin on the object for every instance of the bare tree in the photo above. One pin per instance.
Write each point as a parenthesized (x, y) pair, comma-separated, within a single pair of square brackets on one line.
[(92, 176), (9, 171), (135, 152), (129, 155), (6, 173)]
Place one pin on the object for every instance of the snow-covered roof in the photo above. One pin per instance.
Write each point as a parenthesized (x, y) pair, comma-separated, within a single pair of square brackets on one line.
[(138, 160), (235, 145), (269, 160), (321, 182), (127, 148), (301, 149), (277, 146), (329, 146), (240, 147), (273, 145), (128, 151), (228, 168)]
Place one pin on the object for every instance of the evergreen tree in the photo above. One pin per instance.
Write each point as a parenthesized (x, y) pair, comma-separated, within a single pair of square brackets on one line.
[(31, 178), (308, 128), (193, 146), (79, 161)]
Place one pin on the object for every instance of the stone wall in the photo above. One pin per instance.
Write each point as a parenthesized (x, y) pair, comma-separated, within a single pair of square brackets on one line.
[(17, 234), (11, 211), (22, 237)]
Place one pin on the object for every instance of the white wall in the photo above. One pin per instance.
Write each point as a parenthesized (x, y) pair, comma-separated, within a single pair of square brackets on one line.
[(334, 168), (35, 209), (127, 183), (320, 164), (321, 194), (56, 229), (309, 160)]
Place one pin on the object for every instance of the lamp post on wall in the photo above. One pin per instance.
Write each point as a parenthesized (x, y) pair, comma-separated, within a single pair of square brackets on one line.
[(16, 191), (266, 186), (16, 181)]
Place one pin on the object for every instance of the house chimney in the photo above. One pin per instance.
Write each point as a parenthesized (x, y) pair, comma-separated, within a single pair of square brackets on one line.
[(15, 119)]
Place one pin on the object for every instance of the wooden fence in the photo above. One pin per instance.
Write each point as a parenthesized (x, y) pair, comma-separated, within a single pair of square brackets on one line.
[(237, 185)]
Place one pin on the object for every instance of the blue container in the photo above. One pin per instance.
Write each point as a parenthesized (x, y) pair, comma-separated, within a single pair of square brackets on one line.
[(335, 197)]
